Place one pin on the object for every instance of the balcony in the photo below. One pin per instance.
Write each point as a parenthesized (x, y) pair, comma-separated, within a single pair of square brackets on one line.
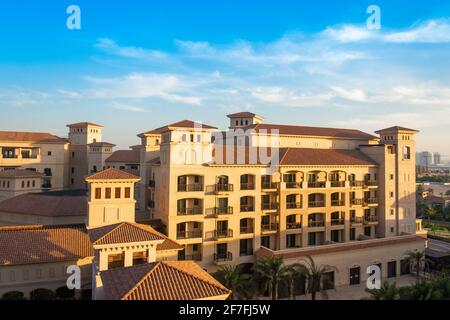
[(247, 208), (338, 203), (356, 184), (218, 211), (189, 211), (269, 206), (247, 186), (271, 227), (316, 184), (337, 184), (293, 185), (195, 187), (370, 201), (293, 205), (223, 234), (370, 219), (247, 230), (269, 185), (293, 225), (223, 257), (223, 188), (189, 234), (371, 183), (190, 257), (337, 222), (316, 204), (356, 202), (315, 224), (357, 220)]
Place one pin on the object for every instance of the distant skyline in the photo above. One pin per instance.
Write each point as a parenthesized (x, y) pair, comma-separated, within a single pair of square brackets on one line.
[(138, 65)]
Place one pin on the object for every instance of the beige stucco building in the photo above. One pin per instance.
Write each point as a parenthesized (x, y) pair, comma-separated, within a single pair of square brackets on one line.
[(225, 196)]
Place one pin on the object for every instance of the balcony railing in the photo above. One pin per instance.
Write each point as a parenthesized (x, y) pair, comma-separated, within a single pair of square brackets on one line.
[(223, 257), (371, 183), (189, 211), (316, 204), (223, 187), (355, 184), (293, 205), (247, 208), (248, 186), (194, 187), (368, 201), (189, 234), (356, 202), (370, 219), (247, 230), (293, 225), (269, 185), (246, 252), (15, 156), (217, 211), (293, 185), (269, 227), (357, 220), (191, 257), (314, 224), (338, 203), (220, 234), (337, 184), (269, 206), (317, 184), (337, 222)]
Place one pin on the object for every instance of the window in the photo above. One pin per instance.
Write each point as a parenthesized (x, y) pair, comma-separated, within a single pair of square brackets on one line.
[(391, 194), (23, 184), (290, 241), (26, 275), (406, 153), (265, 241), (116, 260), (391, 177), (107, 193), (392, 212), (368, 231), (28, 183), (392, 229), (49, 153), (98, 193), (127, 193), (34, 183), (73, 154), (352, 234), (117, 193)]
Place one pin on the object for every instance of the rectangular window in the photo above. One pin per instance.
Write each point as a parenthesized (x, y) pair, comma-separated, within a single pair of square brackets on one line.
[(117, 193), (98, 193), (127, 193), (352, 234), (107, 193), (49, 153)]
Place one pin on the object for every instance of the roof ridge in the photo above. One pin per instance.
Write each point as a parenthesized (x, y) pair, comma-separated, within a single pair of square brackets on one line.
[(114, 227), (41, 227)]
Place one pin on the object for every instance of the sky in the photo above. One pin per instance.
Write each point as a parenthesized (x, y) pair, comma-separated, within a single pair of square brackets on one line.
[(136, 65)]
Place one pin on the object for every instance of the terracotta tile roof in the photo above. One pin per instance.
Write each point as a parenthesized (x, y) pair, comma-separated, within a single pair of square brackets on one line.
[(30, 137), (101, 144), (168, 244), (396, 128), (19, 173), (180, 124), (42, 244), (309, 156), (124, 233), (288, 156), (50, 204), (84, 124), (113, 174), (125, 156), (312, 131), (165, 280), (241, 115)]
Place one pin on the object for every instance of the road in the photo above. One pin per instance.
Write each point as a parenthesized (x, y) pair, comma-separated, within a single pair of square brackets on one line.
[(438, 248)]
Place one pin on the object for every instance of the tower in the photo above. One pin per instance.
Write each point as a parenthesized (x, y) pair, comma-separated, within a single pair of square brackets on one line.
[(400, 180)]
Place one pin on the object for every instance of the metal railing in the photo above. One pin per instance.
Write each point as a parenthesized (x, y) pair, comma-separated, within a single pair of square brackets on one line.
[(314, 224), (189, 234), (189, 211), (269, 227), (338, 203), (269, 206), (337, 222), (220, 234), (223, 187), (246, 252), (293, 225), (223, 257), (269, 185), (247, 208), (247, 186), (370, 219), (337, 184), (317, 184), (293, 185), (247, 230), (316, 204), (357, 220), (293, 205), (194, 187), (356, 183)]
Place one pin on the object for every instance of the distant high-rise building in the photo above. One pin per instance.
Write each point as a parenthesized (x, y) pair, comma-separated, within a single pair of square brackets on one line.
[(424, 159), (436, 158)]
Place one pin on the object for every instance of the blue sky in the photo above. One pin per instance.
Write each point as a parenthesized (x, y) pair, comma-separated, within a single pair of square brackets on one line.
[(136, 65)]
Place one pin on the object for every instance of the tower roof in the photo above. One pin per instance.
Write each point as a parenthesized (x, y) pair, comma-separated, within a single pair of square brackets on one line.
[(112, 174), (84, 124), (244, 114), (396, 129)]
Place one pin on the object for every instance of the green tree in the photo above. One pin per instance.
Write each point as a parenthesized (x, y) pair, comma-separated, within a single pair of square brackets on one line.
[(273, 272), (240, 284), (417, 261), (13, 295), (388, 291), (430, 211), (315, 276)]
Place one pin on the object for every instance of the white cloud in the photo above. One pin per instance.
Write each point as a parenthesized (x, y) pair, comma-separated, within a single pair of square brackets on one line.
[(112, 47), (350, 94), (126, 107)]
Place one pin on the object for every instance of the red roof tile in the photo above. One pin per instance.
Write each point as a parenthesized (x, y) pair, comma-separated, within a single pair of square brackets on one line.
[(30, 137), (125, 156), (242, 114), (112, 174), (84, 124), (19, 173), (396, 128), (165, 280)]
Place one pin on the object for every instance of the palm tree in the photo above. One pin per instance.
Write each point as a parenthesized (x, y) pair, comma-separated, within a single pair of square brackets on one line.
[(273, 271), (430, 211), (239, 283), (386, 292), (314, 275), (418, 260)]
